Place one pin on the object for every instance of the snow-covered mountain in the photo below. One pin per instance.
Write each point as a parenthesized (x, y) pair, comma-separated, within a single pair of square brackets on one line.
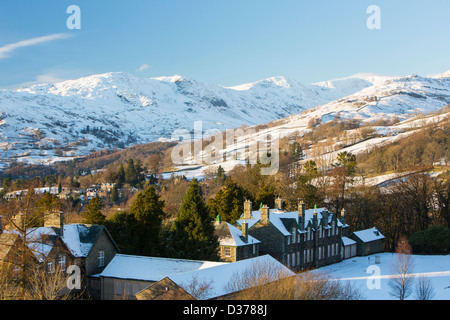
[(74, 117)]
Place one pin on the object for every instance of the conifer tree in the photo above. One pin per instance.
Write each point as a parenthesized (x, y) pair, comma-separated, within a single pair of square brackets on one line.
[(228, 202), (148, 213), (94, 214), (193, 234)]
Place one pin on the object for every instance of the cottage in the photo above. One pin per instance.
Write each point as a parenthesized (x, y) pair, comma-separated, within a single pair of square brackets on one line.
[(90, 247), (369, 241)]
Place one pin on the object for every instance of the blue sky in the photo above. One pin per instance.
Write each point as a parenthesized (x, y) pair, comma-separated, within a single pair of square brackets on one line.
[(222, 42)]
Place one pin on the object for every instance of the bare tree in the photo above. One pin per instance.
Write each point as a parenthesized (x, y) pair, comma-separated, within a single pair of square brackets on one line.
[(47, 282), (199, 290), (264, 282), (424, 289), (401, 281), (322, 286)]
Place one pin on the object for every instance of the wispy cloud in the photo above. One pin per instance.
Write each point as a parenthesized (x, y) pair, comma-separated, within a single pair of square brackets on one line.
[(6, 50), (143, 67)]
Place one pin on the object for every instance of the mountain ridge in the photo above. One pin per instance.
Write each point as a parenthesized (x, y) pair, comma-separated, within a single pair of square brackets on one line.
[(48, 122)]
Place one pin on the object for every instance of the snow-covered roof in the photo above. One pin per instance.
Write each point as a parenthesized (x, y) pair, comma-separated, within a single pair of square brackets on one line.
[(276, 218), (233, 237), (39, 240), (347, 241), (79, 238), (151, 268), (219, 277), (369, 235)]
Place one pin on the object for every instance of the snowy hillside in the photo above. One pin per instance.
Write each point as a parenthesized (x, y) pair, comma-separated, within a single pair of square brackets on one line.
[(404, 98), (71, 118)]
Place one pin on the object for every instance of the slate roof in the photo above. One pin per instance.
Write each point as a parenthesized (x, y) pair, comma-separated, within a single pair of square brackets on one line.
[(229, 235), (284, 220), (368, 235)]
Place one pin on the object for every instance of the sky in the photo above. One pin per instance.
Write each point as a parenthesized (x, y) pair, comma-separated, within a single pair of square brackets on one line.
[(223, 42)]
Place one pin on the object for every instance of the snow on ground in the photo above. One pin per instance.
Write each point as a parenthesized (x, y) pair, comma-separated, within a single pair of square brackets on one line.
[(356, 271)]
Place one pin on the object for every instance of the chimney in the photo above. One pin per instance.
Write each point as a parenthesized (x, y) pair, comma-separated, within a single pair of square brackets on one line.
[(325, 218), (315, 218), (247, 209), (55, 219), (343, 216), (279, 203), (301, 215), (265, 214), (19, 220), (245, 231)]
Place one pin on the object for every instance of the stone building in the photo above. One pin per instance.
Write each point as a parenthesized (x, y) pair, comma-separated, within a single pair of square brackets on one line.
[(235, 244), (301, 239)]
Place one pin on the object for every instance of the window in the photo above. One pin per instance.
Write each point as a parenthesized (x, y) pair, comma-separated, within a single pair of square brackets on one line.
[(50, 267), (118, 288), (101, 258), (227, 251), (62, 262)]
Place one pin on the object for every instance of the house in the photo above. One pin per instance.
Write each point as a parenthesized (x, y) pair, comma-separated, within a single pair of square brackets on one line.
[(90, 247), (127, 275), (301, 239), (214, 283), (369, 241), (235, 244)]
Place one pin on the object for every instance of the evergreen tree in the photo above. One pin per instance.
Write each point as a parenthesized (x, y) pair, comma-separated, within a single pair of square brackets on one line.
[(114, 196), (93, 213), (228, 202), (148, 212), (120, 176), (193, 233), (122, 227), (296, 151), (130, 173), (266, 196)]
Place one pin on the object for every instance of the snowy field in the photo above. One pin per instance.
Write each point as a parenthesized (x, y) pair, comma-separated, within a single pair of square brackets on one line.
[(356, 270)]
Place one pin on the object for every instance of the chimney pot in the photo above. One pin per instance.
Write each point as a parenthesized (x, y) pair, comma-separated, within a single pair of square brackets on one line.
[(279, 203), (265, 214), (247, 209), (245, 231)]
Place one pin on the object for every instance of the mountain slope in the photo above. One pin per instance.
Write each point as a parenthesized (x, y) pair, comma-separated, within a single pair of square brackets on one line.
[(71, 118), (74, 117)]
